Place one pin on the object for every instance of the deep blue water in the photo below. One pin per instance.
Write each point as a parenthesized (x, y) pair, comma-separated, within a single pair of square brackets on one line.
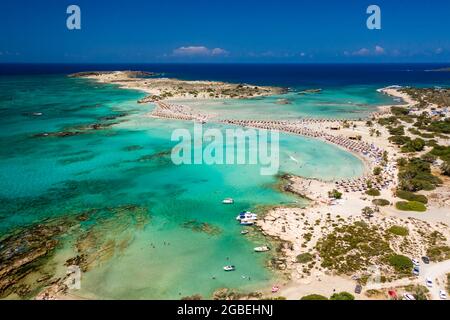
[(293, 75)]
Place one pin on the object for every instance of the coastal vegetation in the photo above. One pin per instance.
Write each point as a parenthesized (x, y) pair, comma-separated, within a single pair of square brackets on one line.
[(399, 230), (304, 257), (381, 202), (373, 192), (342, 296), (410, 206), (354, 247), (335, 194), (401, 263), (425, 96), (415, 175), (410, 196), (438, 253), (314, 297)]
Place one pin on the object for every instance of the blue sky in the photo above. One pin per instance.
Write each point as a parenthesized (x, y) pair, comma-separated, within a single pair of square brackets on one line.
[(224, 31)]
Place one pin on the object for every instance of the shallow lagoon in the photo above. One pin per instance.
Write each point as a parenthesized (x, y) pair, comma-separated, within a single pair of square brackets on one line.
[(129, 164)]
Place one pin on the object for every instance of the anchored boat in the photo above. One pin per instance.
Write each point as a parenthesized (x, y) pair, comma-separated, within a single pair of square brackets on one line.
[(228, 201), (229, 268), (261, 249), (247, 222), (247, 215)]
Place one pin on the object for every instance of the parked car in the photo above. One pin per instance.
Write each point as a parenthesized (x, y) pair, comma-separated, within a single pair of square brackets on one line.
[(442, 294), (408, 296), (416, 271), (415, 262), (426, 260), (429, 282), (358, 289)]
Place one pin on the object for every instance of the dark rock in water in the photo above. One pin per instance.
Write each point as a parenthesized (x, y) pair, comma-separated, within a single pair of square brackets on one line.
[(204, 227), (114, 117), (133, 148), (57, 134), (283, 101), (154, 156), (25, 253), (310, 91), (22, 252)]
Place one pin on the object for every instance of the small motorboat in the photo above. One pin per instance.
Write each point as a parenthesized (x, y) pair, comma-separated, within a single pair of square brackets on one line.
[(37, 114), (275, 289), (244, 231), (261, 249), (229, 268), (228, 201), (247, 215)]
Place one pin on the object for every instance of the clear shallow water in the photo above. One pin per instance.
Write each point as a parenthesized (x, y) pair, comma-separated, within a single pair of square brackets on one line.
[(347, 102), (130, 164)]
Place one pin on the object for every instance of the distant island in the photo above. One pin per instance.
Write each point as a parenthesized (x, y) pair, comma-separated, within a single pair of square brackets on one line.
[(161, 88)]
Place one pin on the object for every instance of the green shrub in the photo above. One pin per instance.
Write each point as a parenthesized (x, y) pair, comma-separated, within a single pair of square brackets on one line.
[(304, 257), (442, 152), (381, 202), (377, 171), (314, 297), (438, 253), (410, 206), (373, 192), (396, 131), (413, 145), (399, 231), (399, 140), (402, 194), (335, 194), (428, 157), (415, 174), (401, 263), (399, 111), (342, 296)]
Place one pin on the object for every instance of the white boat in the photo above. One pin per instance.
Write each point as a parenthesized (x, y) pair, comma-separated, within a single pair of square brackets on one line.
[(261, 249), (244, 231), (246, 222), (228, 201), (229, 268), (247, 215)]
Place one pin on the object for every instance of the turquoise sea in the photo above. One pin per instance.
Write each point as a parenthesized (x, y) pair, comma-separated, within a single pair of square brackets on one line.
[(178, 235)]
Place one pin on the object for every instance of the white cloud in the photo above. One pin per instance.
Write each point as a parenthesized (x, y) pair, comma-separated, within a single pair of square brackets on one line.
[(364, 52), (219, 52), (379, 50), (198, 51)]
